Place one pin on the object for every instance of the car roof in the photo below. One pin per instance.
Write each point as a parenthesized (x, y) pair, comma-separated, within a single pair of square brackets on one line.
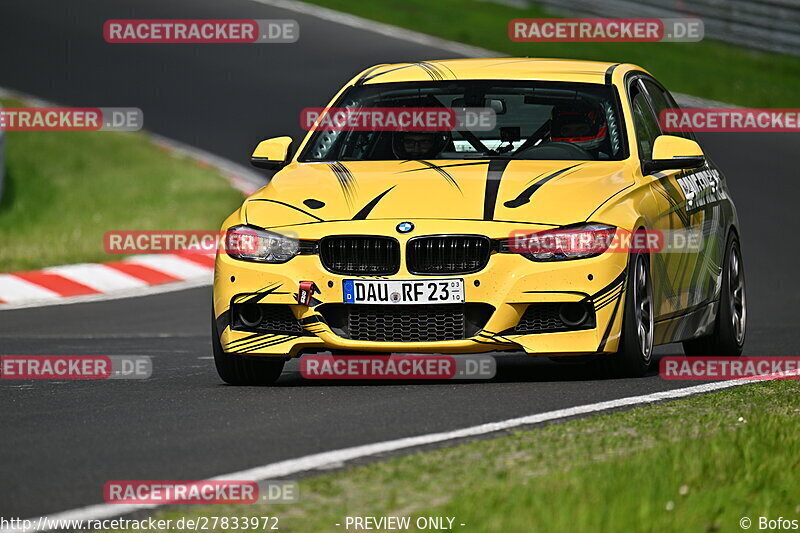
[(503, 68)]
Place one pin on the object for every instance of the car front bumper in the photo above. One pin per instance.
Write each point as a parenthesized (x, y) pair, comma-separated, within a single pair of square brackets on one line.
[(509, 284)]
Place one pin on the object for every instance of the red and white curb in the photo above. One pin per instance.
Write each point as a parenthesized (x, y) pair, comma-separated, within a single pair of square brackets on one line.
[(136, 276)]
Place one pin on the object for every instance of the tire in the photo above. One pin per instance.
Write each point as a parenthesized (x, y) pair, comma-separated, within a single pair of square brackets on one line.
[(238, 370), (730, 325), (636, 344)]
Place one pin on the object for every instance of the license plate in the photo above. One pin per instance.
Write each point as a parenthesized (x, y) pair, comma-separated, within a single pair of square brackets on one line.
[(397, 291)]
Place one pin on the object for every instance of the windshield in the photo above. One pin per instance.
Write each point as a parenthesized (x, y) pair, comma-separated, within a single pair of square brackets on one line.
[(532, 120)]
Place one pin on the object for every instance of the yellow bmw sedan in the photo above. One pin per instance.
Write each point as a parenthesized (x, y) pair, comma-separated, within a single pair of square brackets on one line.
[(517, 233)]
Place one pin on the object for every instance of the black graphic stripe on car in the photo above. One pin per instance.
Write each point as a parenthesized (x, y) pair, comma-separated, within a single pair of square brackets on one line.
[(242, 298), (618, 281), (290, 206), (273, 340), (610, 74), (452, 74), (365, 78), (608, 300), (313, 319), (223, 321), (441, 171), (261, 294), (432, 71), (493, 177), (525, 196), (257, 340), (471, 164), (677, 204), (610, 325), (496, 337), (346, 180), (244, 340), (362, 214), (664, 291)]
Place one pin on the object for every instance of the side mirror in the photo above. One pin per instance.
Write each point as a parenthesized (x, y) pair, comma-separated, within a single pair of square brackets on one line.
[(674, 153), (272, 154)]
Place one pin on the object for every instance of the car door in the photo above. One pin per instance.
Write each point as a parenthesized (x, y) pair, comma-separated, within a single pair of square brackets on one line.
[(709, 210), (696, 216), (671, 290)]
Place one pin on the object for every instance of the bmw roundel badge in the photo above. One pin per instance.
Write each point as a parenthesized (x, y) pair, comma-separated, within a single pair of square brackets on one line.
[(405, 227)]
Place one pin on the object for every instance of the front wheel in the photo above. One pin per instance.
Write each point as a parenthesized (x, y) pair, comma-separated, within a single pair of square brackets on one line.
[(636, 344), (238, 370), (727, 339)]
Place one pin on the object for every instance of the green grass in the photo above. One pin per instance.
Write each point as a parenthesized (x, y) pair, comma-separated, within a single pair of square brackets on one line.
[(64, 190), (697, 464), (709, 69)]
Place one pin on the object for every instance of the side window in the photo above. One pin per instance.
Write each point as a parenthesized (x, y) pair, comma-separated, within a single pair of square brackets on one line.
[(662, 100), (643, 122)]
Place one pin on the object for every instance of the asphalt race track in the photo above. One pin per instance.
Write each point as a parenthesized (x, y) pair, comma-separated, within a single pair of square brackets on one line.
[(62, 440)]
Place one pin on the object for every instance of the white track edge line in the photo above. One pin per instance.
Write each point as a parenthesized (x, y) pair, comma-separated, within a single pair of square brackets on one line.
[(337, 457)]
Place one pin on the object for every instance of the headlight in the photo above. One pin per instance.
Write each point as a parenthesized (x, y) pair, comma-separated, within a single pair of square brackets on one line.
[(248, 243), (560, 244)]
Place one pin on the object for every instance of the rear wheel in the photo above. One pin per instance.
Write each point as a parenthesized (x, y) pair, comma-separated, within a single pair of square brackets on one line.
[(727, 339), (238, 370), (636, 345)]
